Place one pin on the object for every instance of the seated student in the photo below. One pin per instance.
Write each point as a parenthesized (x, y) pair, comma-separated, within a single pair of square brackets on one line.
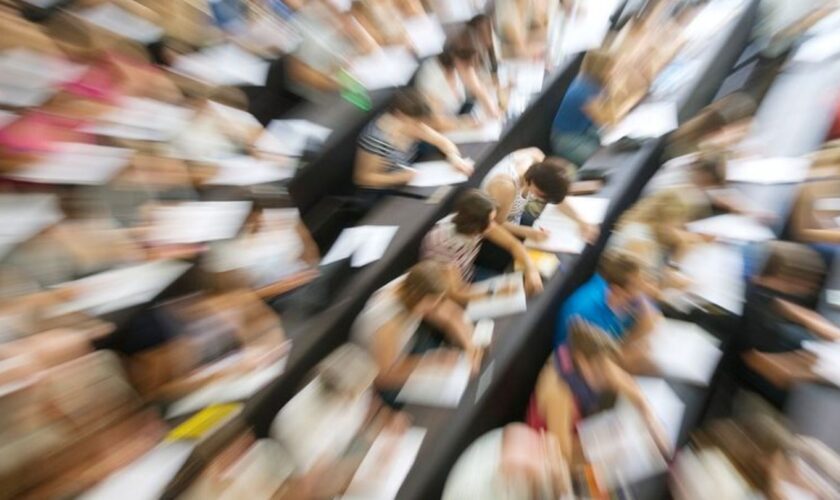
[(721, 123), (574, 135), (613, 300), (511, 463), (447, 79), (526, 175), (455, 242), (781, 299), (522, 26), (388, 144), (389, 326), (817, 205), (580, 378)]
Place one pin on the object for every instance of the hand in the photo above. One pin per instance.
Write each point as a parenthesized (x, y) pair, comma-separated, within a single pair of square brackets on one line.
[(589, 232), (406, 175), (537, 235), (475, 355), (465, 166), (533, 282)]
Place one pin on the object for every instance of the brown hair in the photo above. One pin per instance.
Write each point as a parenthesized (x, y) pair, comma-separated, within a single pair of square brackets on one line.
[(589, 341), (711, 165), (786, 259), (617, 267), (410, 103), (423, 279), (472, 212), (460, 47), (551, 176)]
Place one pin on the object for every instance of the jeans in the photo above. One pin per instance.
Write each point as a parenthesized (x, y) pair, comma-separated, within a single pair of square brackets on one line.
[(577, 148)]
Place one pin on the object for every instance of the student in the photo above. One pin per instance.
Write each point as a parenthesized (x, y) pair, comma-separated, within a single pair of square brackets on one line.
[(480, 28), (447, 79), (511, 463), (613, 300), (526, 175), (456, 242), (574, 135), (580, 378), (388, 325), (387, 146), (812, 220)]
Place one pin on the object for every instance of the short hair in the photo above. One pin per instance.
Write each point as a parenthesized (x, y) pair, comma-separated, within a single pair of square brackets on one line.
[(460, 47), (711, 165), (589, 341), (551, 176), (617, 267), (410, 103), (472, 212), (423, 279), (787, 260), (478, 20)]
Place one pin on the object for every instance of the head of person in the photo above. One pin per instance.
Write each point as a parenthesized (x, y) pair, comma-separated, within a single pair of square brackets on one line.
[(597, 65), (549, 179), (346, 372), (664, 212), (793, 269), (592, 350), (474, 212), (708, 171), (482, 29), (410, 106), (623, 272), (459, 51), (424, 287)]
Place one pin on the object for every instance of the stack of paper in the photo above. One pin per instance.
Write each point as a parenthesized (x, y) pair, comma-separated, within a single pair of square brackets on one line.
[(490, 131), (22, 216), (431, 384), (365, 244), (248, 171), (716, 272), (828, 359), (506, 296), (425, 34), (390, 67), (29, 78), (119, 289), (143, 120), (75, 164), (386, 465), (563, 233), (122, 23), (197, 221), (768, 170), (646, 121), (684, 351), (225, 64), (436, 173), (733, 228), (290, 137)]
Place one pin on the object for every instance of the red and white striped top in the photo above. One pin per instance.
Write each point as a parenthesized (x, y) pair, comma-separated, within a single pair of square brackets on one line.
[(446, 245)]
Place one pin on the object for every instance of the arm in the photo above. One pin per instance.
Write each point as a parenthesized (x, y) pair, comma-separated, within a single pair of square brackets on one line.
[(394, 368), (369, 172), (811, 320), (645, 323), (310, 77), (625, 385), (502, 238), (554, 400), (503, 191), (447, 147), (481, 93), (588, 231)]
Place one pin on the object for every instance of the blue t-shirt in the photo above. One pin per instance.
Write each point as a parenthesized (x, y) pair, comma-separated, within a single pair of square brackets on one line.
[(570, 117), (589, 302)]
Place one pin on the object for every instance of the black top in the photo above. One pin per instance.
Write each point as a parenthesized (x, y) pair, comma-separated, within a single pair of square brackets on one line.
[(766, 329)]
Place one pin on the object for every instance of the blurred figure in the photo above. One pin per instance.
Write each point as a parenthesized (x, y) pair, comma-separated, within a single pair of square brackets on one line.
[(480, 28), (388, 145), (612, 300), (511, 463), (574, 134), (579, 379), (717, 127), (455, 242), (812, 219), (522, 26)]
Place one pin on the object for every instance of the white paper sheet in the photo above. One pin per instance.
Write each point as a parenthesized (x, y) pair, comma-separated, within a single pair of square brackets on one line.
[(564, 235), (21, 97), (142, 119), (508, 298), (230, 390), (716, 274), (121, 288), (436, 173), (289, 137), (247, 171), (587, 27), (483, 332), (386, 465), (225, 64), (431, 385), (647, 120), (390, 67), (75, 164), (147, 477), (26, 69), (365, 244), (684, 351), (490, 131), (120, 22), (818, 48), (525, 77), (665, 405), (22, 216), (425, 34), (198, 221), (732, 227), (768, 170), (828, 359)]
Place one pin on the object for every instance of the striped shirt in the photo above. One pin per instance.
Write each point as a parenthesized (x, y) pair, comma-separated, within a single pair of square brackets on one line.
[(374, 141), (446, 245)]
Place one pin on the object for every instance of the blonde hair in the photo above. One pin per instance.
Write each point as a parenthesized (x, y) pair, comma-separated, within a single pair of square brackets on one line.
[(423, 279), (659, 211)]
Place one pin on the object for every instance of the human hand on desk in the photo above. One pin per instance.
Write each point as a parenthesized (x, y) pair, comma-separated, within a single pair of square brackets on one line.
[(404, 176), (536, 234), (589, 232), (463, 165), (533, 281)]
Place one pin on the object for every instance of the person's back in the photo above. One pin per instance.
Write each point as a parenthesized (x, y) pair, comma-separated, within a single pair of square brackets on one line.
[(571, 117)]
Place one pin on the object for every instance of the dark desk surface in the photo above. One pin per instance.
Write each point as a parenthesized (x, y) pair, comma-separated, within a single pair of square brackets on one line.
[(813, 410)]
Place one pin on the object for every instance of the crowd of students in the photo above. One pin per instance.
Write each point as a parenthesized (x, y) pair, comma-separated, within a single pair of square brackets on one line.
[(151, 250)]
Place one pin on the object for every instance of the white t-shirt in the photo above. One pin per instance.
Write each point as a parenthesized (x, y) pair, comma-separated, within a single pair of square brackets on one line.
[(433, 83), (382, 307)]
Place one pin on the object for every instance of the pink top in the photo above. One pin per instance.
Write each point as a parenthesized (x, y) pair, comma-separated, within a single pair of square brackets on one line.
[(37, 132)]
